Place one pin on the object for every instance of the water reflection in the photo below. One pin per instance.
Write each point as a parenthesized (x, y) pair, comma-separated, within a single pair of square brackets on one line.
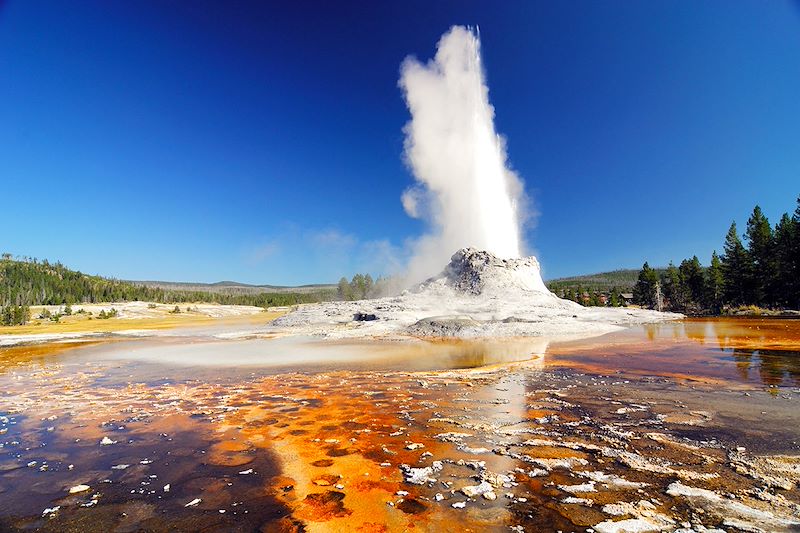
[(767, 346), (765, 351), (313, 355), (775, 367)]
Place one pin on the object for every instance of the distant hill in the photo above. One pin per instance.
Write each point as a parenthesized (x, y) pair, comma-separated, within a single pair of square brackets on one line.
[(623, 280), (232, 287)]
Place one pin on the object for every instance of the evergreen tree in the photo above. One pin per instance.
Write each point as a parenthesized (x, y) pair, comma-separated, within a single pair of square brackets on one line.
[(795, 261), (357, 285), (735, 269), (23, 314), (579, 295), (14, 315), (692, 282), (714, 284), (343, 291), (613, 298), (644, 292), (672, 288), (760, 249), (785, 284)]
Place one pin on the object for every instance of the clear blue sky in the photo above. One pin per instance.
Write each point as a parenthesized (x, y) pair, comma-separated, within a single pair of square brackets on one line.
[(262, 142)]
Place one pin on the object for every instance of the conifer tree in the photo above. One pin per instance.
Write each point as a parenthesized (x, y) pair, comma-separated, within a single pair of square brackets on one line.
[(735, 269), (760, 249), (671, 287), (714, 284), (357, 285), (613, 298), (343, 289), (644, 292), (795, 261), (785, 283), (692, 282)]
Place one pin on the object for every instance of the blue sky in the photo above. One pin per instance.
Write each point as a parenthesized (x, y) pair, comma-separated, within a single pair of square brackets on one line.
[(262, 142)]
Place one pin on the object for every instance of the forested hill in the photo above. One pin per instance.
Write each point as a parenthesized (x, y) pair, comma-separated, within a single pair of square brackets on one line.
[(623, 280), (32, 282), (231, 287)]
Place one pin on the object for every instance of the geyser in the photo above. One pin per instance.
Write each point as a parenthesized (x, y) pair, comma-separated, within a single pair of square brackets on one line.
[(464, 189)]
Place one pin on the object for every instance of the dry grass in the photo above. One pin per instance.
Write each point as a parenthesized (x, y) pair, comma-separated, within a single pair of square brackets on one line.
[(84, 324)]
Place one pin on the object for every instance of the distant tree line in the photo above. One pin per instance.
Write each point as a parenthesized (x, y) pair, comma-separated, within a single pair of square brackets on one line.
[(604, 282), (762, 269), (25, 282), (361, 287), (591, 296)]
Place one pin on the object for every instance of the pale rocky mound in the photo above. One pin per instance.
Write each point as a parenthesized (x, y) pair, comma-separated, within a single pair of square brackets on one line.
[(476, 295), (475, 272)]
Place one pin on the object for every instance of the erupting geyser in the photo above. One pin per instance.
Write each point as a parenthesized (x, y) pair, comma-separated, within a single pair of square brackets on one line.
[(464, 189), (474, 205)]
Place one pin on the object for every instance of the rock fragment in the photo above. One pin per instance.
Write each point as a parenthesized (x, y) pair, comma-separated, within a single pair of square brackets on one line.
[(630, 525), (420, 476), (51, 511), (79, 488), (470, 491)]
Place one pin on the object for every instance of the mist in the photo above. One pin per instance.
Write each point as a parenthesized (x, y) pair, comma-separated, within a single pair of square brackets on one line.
[(464, 190)]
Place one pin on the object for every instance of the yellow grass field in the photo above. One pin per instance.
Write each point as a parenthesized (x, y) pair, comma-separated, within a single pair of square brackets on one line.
[(159, 319)]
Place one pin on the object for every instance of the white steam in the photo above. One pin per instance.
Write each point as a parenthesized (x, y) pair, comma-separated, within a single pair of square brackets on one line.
[(464, 189)]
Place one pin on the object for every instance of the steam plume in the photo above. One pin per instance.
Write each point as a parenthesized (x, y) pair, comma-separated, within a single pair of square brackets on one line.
[(464, 190)]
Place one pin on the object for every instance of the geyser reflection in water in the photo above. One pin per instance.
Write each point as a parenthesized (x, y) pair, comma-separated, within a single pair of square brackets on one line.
[(308, 354)]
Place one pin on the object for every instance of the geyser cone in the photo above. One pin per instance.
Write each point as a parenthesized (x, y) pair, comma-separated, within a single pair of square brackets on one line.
[(477, 272)]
